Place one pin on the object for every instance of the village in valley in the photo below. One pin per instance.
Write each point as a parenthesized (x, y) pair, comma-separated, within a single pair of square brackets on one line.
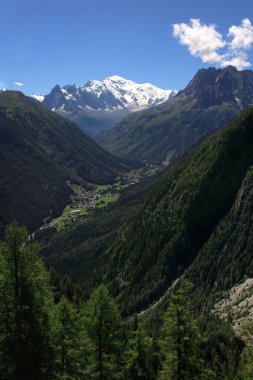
[(85, 200)]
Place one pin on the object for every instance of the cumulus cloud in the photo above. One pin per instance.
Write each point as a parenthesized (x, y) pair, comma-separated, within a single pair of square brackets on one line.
[(205, 42), (19, 84), (242, 35)]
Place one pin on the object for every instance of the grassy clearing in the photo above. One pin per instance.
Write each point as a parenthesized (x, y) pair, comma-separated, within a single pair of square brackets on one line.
[(107, 198), (103, 187), (66, 217)]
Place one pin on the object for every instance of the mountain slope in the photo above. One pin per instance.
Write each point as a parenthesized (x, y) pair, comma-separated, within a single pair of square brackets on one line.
[(99, 105), (40, 153), (226, 258), (167, 232), (209, 101)]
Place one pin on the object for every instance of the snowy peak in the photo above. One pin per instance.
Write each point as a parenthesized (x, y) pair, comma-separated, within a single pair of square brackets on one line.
[(112, 93), (101, 104), (132, 96), (39, 98)]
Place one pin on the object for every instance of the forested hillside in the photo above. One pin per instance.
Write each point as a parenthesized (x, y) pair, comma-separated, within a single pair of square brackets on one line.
[(185, 234), (40, 155), (48, 333), (166, 232), (226, 258), (126, 210)]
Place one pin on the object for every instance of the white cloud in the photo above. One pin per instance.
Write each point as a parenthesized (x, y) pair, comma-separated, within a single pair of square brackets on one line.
[(19, 84), (206, 43), (203, 41), (238, 59), (242, 35)]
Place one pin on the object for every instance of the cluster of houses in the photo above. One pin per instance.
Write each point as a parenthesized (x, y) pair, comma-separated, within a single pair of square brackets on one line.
[(87, 199)]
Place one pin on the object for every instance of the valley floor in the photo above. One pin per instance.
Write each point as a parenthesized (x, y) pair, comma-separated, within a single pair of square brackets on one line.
[(85, 200)]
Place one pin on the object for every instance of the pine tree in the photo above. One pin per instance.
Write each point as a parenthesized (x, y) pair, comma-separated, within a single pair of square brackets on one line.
[(102, 321), (69, 360), (26, 350), (180, 339), (138, 355)]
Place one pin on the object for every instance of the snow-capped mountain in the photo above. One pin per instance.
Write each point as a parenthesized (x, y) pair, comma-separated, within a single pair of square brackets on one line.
[(99, 105), (109, 94), (39, 98)]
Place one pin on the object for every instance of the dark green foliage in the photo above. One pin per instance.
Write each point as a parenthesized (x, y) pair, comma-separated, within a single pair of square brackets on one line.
[(220, 349), (80, 251), (138, 355), (39, 152), (171, 227), (26, 349), (181, 340), (195, 223), (245, 371), (166, 232), (62, 286), (69, 358), (40, 340), (226, 258), (102, 320)]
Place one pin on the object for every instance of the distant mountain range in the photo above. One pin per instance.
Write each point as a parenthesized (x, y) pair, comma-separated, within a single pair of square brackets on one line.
[(41, 154), (99, 105), (211, 99)]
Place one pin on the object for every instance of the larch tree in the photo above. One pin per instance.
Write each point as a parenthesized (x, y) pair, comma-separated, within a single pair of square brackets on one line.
[(68, 341), (180, 339), (102, 321), (138, 355), (26, 348)]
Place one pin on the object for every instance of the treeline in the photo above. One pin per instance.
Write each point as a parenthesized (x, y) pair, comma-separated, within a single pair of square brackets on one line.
[(47, 332)]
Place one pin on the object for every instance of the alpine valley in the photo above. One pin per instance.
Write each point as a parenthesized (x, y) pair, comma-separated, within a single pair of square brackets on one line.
[(137, 266), (41, 156)]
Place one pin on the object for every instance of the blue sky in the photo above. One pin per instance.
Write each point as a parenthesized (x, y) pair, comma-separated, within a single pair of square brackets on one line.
[(45, 42)]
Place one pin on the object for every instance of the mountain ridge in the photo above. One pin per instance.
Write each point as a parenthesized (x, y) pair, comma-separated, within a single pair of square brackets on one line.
[(211, 99), (98, 105), (40, 152)]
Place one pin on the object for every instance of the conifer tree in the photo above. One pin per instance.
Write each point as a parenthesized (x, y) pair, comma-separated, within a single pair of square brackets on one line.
[(26, 350), (102, 320), (68, 346), (180, 339), (138, 355)]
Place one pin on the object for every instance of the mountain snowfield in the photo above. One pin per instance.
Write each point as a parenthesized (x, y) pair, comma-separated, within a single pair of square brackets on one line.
[(129, 95), (39, 98), (113, 92), (99, 105)]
